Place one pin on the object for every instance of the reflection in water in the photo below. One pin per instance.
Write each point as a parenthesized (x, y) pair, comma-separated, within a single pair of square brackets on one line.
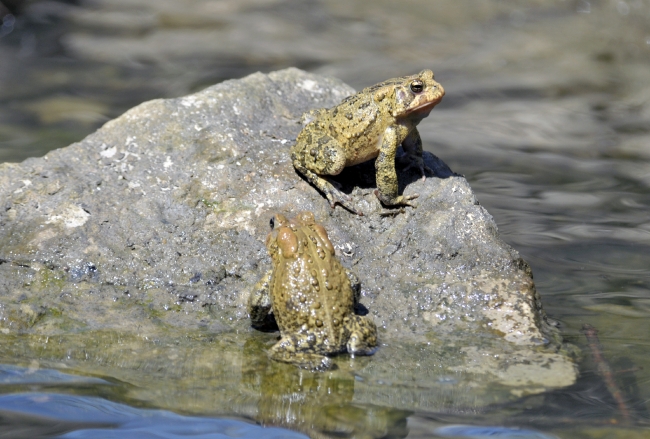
[(320, 404), (8, 21), (476, 432), (197, 374), (215, 375)]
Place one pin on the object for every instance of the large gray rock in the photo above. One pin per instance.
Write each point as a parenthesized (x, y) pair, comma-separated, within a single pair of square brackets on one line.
[(156, 223)]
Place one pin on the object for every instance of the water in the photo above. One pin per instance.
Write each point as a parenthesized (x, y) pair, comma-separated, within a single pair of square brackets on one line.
[(547, 114), (42, 415)]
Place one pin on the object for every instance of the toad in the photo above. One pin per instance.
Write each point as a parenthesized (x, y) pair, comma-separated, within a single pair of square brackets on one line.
[(370, 124), (311, 295)]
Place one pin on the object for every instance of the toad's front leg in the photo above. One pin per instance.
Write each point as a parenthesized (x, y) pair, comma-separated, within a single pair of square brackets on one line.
[(386, 176)]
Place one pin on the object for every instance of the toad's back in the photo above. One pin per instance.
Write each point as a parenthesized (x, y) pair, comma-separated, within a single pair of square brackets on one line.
[(311, 296), (311, 292)]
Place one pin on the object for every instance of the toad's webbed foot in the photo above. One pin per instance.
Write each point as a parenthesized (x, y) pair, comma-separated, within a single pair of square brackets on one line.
[(363, 336), (344, 201), (333, 195), (289, 350), (401, 200)]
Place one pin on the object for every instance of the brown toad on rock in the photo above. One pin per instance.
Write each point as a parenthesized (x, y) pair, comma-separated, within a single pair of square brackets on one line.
[(369, 124), (312, 297)]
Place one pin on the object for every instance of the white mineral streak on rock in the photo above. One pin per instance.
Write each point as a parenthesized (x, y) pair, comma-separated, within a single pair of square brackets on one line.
[(71, 216), (26, 183), (108, 153), (240, 220), (191, 101), (311, 86)]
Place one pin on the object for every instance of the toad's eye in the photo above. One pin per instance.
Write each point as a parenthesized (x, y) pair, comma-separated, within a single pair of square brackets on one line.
[(417, 86), (272, 222)]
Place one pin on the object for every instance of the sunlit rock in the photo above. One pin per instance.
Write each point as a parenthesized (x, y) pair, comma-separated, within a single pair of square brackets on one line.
[(154, 225)]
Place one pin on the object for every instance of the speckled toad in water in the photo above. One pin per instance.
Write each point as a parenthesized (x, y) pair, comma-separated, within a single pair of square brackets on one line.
[(369, 124), (311, 296)]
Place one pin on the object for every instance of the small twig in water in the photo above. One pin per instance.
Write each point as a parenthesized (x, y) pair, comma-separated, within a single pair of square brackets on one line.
[(603, 369)]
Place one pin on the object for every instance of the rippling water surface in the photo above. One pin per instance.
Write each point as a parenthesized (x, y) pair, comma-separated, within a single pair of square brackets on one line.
[(547, 114)]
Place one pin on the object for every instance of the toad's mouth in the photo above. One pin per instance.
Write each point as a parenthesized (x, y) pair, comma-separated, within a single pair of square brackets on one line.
[(426, 107)]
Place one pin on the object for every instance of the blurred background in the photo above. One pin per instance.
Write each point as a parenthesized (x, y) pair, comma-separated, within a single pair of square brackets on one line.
[(547, 113)]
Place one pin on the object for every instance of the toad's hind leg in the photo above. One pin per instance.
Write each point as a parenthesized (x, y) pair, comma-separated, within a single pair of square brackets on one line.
[(363, 336), (323, 158), (291, 349), (259, 302)]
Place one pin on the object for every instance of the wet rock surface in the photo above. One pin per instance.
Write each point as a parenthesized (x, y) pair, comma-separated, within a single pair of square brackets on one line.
[(155, 224)]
